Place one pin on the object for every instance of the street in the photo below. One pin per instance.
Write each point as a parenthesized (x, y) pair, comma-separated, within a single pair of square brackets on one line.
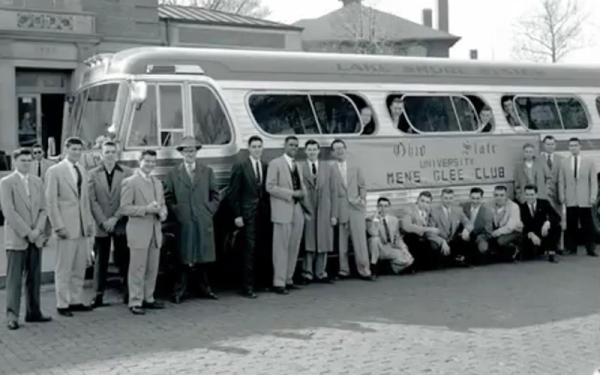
[(528, 318)]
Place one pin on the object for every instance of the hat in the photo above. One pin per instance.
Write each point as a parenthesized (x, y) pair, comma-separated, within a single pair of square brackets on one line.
[(187, 142)]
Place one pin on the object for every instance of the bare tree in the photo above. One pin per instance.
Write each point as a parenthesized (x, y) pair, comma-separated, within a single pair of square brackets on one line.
[(549, 34), (252, 8), (365, 35)]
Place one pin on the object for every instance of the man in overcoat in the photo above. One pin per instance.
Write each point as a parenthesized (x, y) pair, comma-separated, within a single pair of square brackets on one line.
[(192, 197)]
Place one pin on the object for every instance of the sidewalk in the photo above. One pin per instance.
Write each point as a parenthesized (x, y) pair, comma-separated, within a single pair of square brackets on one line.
[(523, 319)]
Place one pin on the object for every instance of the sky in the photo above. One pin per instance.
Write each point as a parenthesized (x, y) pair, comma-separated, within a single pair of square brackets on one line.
[(485, 25)]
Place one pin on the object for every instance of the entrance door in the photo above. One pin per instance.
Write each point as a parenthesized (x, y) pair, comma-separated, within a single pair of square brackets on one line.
[(52, 118), (30, 114)]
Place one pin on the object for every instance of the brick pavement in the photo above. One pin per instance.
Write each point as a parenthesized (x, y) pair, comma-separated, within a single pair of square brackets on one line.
[(529, 318)]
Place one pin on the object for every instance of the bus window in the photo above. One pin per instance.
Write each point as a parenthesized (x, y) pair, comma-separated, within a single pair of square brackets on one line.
[(171, 115), (283, 114), (211, 126), (97, 112), (508, 107), (572, 113), (367, 116), (431, 114), (486, 116), (144, 128), (336, 114)]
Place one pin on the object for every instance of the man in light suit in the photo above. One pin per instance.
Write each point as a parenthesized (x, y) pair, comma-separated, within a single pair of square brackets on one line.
[(351, 206), (531, 171), (321, 201), (71, 219), (578, 189), (105, 198), (454, 229), (385, 241), (505, 239), (480, 226), (23, 204), (40, 164), (417, 227), (143, 202), (287, 191)]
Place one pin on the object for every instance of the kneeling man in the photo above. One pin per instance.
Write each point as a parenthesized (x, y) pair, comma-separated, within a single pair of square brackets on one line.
[(507, 226), (541, 225), (385, 241)]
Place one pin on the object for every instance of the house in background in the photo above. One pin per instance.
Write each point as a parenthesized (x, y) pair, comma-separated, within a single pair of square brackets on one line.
[(356, 28)]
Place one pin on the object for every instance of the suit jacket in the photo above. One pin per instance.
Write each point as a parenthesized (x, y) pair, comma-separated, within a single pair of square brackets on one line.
[(105, 201), (246, 197), (351, 196), (448, 225), (45, 164), (552, 181), (543, 212), (322, 203), (22, 213), (538, 176), (508, 220), (483, 223), (137, 192), (280, 187), (375, 228), (413, 222), (193, 204), (581, 192), (66, 208)]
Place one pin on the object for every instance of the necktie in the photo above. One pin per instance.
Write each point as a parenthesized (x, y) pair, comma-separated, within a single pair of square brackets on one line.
[(26, 182), (388, 238), (79, 179), (532, 209), (314, 169), (549, 161), (257, 172), (575, 168), (39, 169)]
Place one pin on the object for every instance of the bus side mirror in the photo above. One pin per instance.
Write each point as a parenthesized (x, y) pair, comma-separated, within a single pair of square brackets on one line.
[(139, 92)]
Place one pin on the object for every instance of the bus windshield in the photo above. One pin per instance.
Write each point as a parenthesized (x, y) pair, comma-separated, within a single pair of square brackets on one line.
[(92, 113)]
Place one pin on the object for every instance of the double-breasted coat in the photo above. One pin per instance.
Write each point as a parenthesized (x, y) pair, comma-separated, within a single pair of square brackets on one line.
[(322, 203), (193, 202)]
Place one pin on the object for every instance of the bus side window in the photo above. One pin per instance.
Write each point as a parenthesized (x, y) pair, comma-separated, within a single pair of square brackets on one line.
[(572, 113), (367, 117), (336, 114), (283, 114), (171, 115), (551, 113), (486, 115), (144, 127), (510, 113), (211, 126)]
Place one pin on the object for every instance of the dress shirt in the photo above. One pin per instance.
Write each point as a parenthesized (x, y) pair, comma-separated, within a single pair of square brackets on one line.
[(72, 169), (576, 172), (474, 212), (291, 162), (25, 180), (256, 168), (190, 168), (314, 167), (343, 167)]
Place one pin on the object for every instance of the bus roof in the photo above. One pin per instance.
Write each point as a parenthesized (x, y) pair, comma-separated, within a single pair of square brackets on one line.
[(243, 65)]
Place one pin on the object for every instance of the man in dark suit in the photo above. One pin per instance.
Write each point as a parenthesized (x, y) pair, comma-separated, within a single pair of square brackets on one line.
[(541, 226), (105, 199), (250, 205), (40, 164), (192, 196), (23, 204)]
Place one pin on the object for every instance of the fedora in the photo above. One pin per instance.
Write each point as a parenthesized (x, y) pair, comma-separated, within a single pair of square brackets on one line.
[(188, 142)]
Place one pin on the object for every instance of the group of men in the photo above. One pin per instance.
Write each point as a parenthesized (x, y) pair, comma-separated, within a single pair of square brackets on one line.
[(276, 208)]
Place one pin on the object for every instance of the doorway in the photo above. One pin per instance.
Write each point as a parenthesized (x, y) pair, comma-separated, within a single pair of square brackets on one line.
[(52, 118)]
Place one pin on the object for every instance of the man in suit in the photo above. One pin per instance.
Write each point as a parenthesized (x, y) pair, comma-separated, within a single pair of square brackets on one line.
[(531, 171), (287, 191), (143, 202), (250, 206), (192, 196), (480, 226), (578, 190), (505, 239), (541, 226), (40, 163), (105, 199), (67, 198), (385, 240), (22, 201), (453, 228), (417, 227), (351, 212), (321, 201), (553, 162)]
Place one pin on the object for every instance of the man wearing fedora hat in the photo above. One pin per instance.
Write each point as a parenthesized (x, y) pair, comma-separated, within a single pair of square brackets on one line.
[(192, 197)]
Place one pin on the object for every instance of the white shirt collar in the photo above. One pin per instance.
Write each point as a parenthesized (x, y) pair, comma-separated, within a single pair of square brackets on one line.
[(22, 176), (289, 160), (253, 160), (144, 175), (310, 162), (190, 166)]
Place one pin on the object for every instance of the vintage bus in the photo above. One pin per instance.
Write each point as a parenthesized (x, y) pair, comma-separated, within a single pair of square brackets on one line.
[(411, 123)]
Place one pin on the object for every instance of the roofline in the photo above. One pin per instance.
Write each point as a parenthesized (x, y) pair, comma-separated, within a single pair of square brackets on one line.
[(453, 40), (250, 26)]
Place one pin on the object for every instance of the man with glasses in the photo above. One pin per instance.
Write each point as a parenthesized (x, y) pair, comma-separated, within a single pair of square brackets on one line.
[(385, 241), (40, 164)]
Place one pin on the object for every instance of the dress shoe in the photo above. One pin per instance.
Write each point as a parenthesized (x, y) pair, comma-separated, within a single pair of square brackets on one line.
[(280, 290), (342, 276), (369, 278), (592, 254), (136, 310), (177, 299), (210, 295), (249, 293), (552, 258), (304, 281), (99, 302), (292, 287), (153, 305), (80, 307), (64, 312), (38, 319), (12, 325), (324, 280)]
